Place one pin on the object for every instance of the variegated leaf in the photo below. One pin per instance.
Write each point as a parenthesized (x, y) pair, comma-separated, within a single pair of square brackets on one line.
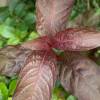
[(52, 15), (12, 58), (76, 39), (81, 77), (37, 77)]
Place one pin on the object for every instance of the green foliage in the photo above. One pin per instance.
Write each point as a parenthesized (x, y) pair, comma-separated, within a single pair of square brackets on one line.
[(12, 87), (7, 87), (86, 13), (3, 91), (17, 21), (82, 6), (60, 94), (71, 98)]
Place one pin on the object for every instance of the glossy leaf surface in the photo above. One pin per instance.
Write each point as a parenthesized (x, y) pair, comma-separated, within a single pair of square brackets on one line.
[(37, 78), (52, 15), (80, 76)]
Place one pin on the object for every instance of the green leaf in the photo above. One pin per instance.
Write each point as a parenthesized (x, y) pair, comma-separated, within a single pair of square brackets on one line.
[(59, 93), (30, 18), (12, 5), (71, 98), (13, 41), (6, 31), (3, 79), (10, 22), (9, 98), (22, 28), (19, 9), (12, 87), (4, 91), (33, 35), (1, 43), (54, 97), (3, 16), (20, 34), (58, 52), (1, 95)]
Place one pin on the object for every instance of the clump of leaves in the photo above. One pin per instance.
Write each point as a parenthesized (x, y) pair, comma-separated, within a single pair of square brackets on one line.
[(38, 66), (7, 87), (17, 20), (85, 13)]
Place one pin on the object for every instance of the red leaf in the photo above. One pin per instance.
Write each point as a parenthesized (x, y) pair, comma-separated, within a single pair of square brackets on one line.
[(81, 76), (52, 15), (41, 43), (12, 58), (76, 39), (37, 77)]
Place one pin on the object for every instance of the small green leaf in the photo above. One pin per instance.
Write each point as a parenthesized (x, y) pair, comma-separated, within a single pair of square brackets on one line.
[(3, 16), (19, 9), (3, 79), (21, 34), (57, 51), (30, 18), (59, 93), (6, 31), (12, 87), (13, 41), (10, 22), (1, 43), (9, 98), (1, 95), (71, 98), (4, 90), (12, 5), (21, 28), (33, 35), (54, 97)]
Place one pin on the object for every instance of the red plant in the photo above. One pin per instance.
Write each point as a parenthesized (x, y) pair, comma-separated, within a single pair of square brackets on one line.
[(36, 62)]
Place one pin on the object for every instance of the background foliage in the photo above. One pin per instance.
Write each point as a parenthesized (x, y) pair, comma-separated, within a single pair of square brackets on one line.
[(17, 24)]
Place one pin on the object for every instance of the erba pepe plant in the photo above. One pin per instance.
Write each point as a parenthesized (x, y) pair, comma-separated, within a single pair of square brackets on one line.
[(36, 62)]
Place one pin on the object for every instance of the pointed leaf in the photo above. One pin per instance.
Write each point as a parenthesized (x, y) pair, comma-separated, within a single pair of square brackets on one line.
[(12, 58), (81, 76), (76, 39), (38, 44), (37, 78), (12, 87), (4, 91), (52, 15)]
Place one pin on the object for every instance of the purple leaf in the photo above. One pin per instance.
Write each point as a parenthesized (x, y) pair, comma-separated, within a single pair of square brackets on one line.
[(52, 15), (80, 76), (12, 59), (41, 43), (37, 78), (76, 39)]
